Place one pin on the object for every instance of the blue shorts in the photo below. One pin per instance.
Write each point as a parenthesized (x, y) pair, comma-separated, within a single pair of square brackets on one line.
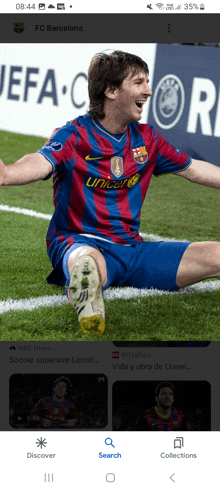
[(144, 265)]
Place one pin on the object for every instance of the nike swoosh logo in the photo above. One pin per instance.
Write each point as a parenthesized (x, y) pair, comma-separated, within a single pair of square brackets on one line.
[(92, 158)]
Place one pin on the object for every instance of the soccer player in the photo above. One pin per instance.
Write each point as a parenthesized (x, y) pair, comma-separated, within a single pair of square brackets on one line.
[(102, 163), (162, 417), (55, 411)]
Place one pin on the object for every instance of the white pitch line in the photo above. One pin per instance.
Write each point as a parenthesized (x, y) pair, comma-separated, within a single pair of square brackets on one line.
[(129, 292), (110, 294), (32, 303), (157, 238), (24, 211)]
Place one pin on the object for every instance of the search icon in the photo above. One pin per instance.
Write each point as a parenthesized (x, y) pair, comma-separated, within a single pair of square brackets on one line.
[(108, 441)]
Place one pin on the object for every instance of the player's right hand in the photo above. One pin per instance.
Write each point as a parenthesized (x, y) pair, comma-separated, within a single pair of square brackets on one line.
[(2, 172)]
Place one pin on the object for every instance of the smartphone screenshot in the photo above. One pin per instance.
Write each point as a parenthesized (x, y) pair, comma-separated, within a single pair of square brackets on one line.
[(109, 271)]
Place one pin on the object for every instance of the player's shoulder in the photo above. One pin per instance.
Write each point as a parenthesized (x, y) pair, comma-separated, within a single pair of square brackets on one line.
[(43, 400), (72, 405), (72, 126), (151, 410), (177, 412), (79, 122), (144, 129)]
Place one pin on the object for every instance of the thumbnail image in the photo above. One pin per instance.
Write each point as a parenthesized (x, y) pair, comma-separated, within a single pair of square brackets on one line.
[(161, 406), (58, 401)]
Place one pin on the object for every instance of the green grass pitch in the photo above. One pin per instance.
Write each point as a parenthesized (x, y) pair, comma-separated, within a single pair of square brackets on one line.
[(173, 208)]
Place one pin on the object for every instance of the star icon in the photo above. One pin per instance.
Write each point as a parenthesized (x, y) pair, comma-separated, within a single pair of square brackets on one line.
[(41, 443)]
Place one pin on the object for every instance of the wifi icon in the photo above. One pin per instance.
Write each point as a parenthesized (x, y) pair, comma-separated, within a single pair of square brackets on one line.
[(160, 5)]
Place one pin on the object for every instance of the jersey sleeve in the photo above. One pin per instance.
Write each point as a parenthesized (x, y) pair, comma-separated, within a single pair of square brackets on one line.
[(60, 146), (169, 159)]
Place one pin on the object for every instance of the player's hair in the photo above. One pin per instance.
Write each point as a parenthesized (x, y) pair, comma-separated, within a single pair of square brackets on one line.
[(109, 70), (161, 385), (64, 379)]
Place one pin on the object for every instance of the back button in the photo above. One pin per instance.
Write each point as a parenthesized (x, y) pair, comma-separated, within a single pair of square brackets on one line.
[(171, 477)]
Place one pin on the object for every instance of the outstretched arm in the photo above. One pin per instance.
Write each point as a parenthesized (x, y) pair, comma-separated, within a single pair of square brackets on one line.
[(30, 168), (202, 173)]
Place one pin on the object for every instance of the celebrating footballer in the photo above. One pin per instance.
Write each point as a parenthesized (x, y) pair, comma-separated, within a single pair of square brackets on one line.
[(102, 163)]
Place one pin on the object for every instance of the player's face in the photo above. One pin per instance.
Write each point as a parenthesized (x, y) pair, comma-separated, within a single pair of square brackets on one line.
[(60, 389), (131, 97), (165, 397)]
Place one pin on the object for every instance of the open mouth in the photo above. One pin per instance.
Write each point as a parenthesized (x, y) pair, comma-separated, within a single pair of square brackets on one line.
[(140, 104)]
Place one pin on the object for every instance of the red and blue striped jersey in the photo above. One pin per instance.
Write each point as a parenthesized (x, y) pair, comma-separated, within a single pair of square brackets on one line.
[(57, 412), (101, 179), (154, 421)]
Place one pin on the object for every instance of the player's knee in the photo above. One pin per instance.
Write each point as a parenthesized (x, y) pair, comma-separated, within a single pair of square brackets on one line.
[(216, 255), (101, 263), (212, 258), (90, 251)]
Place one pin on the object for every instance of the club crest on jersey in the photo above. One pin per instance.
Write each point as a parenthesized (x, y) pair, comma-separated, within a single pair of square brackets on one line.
[(140, 155), (117, 166)]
